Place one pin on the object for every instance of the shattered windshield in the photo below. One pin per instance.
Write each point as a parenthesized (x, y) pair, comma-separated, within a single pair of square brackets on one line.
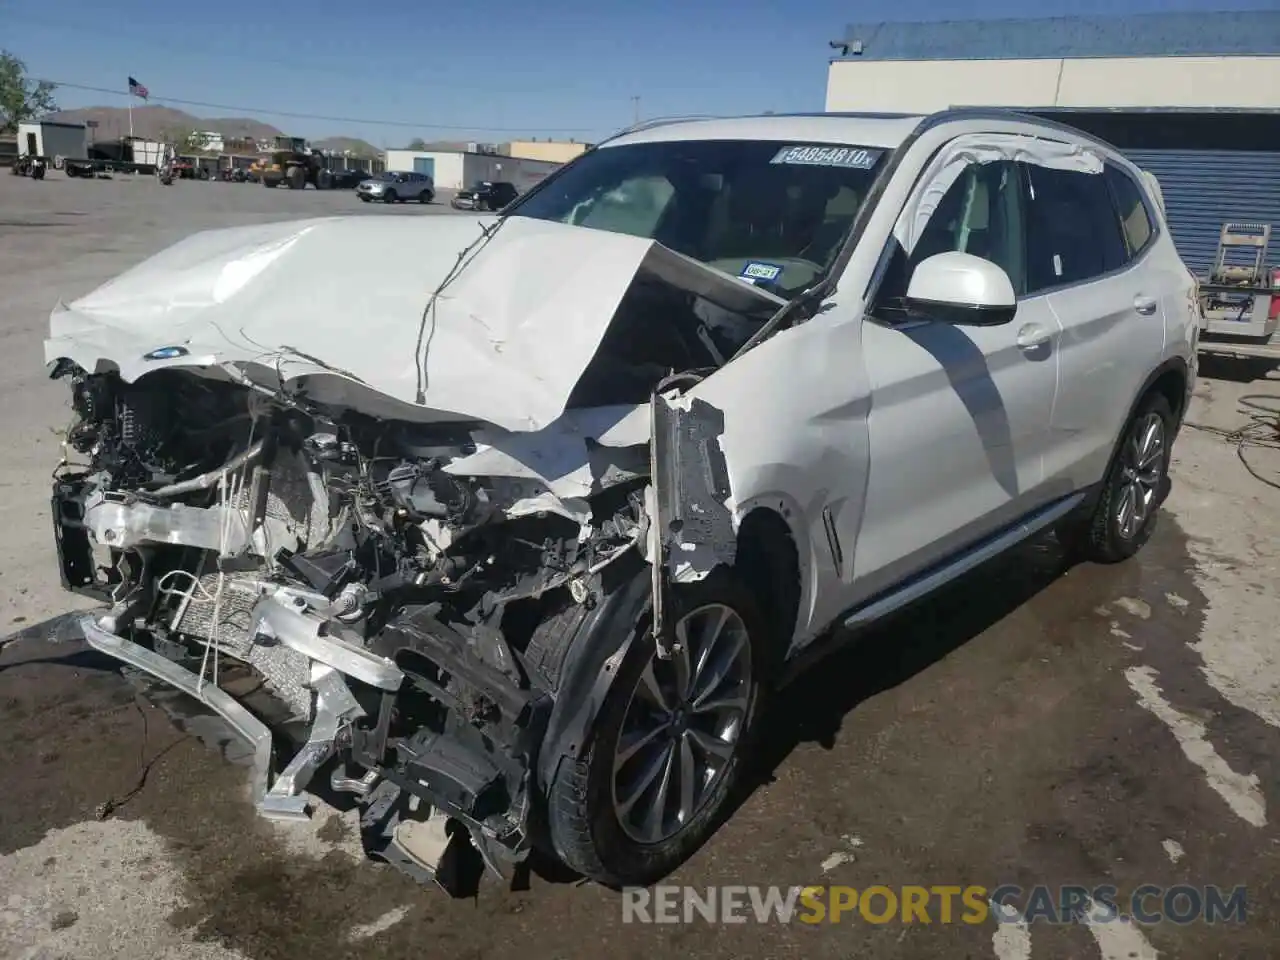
[(774, 213)]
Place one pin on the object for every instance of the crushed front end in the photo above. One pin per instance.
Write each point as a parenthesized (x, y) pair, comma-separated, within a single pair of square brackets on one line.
[(410, 619)]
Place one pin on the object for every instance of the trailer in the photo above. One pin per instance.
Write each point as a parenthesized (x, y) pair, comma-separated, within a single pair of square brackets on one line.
[(53, 142), (126, 155)]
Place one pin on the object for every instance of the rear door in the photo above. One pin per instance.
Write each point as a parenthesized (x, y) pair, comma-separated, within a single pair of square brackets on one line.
[(1106, 296)]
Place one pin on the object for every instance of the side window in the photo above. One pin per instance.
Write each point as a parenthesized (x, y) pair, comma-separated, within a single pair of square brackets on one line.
[(1073, 233), (980, 214), (1134, 219)]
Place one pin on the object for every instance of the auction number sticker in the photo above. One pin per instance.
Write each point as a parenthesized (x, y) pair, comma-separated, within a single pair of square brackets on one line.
[(818, 155)]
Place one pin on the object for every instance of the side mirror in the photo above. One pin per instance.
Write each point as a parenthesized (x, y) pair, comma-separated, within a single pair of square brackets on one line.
[(962, 289)]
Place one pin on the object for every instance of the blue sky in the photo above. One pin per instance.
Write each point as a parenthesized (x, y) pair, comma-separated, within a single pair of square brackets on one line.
[(563, 68)]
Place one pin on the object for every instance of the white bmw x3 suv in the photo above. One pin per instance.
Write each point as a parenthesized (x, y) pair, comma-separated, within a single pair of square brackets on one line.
[(524, 538)]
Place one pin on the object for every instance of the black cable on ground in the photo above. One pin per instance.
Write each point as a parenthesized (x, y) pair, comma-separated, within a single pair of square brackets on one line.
[(111, 805), (1261, 430)]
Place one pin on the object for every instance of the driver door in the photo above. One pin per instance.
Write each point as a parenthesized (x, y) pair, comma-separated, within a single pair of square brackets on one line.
[(960, 414)]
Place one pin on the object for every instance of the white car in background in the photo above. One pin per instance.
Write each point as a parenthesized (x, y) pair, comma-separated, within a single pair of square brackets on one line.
[(397, 187), (529, 531)]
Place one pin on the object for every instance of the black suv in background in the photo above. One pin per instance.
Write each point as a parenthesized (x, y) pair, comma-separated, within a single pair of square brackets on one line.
[(486, 195)]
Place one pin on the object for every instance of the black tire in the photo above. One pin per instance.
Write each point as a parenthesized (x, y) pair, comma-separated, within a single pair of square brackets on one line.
[(389, 196), (583, 824), (1095, 532), (296, 178), (426, 196), (363, 198)]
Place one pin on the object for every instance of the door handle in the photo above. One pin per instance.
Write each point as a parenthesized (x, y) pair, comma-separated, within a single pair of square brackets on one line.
[(1032, 336), (1145, 305)]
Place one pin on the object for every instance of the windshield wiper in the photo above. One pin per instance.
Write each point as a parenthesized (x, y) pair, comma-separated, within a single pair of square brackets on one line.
[(813, 294)]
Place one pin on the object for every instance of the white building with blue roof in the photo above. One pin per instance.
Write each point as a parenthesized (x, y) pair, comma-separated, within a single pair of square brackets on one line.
[(1192, 97)]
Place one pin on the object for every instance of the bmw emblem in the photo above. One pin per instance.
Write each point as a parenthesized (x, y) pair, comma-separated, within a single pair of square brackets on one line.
[(166, 353)]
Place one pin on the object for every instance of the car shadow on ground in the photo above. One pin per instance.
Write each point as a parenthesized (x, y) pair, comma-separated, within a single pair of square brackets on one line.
[(812, 708), (1235, 369)]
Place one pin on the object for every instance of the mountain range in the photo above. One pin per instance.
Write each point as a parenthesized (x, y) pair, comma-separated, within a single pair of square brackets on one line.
[(166, 123)]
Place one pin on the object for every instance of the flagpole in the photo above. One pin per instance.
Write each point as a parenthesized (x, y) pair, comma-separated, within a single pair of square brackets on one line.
[(130, 96)]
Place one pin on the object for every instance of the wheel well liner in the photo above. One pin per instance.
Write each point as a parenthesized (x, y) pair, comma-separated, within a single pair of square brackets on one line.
[(769, 564), (768, 561), (1169, 379)]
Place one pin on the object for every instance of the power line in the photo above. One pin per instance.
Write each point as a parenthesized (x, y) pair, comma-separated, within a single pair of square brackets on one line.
[(222, 54), (406, 124)]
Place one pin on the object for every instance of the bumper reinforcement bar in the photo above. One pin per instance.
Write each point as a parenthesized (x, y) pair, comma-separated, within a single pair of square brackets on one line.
[(282, 800)]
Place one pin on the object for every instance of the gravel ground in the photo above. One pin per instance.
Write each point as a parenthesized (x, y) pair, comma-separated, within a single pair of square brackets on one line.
[(1034, 724)]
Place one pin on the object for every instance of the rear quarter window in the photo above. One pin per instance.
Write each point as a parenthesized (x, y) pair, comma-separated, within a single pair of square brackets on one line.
[(1135, 219)]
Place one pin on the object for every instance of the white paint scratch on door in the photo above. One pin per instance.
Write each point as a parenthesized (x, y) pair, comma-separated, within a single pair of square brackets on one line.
[(1118, 938), (1240, 791), (1012, 939)]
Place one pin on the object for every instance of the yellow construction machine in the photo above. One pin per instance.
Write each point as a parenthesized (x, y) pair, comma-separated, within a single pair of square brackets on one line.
[(294, 164)]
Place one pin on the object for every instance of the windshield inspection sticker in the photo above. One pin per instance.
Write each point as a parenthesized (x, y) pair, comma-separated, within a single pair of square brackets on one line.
[(757, 272), (818, 155)]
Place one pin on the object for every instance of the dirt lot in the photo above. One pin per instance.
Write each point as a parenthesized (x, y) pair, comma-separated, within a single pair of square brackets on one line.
[(1034, 725)]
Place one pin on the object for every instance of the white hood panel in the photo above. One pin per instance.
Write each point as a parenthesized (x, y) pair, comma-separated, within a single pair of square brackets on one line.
[(338, 303)]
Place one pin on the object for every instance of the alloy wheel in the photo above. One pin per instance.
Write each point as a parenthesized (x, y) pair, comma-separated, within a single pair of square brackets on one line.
[(682, 726), (1141, 473)]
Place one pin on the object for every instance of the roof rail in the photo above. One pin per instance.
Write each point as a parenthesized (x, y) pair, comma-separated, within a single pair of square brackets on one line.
[(658, 122), (1025, 114)]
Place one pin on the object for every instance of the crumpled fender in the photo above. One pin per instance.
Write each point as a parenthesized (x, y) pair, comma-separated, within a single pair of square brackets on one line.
[(613, 626)]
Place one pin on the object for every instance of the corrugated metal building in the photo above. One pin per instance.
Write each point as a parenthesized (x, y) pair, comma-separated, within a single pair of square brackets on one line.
[(1192, 97)]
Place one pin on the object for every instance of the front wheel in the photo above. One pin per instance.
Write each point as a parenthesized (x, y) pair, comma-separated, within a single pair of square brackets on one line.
[(389, 197), (669, 743), (1123, 516)]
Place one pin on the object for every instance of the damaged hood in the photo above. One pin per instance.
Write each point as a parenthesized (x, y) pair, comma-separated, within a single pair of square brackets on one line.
[(339, 306)]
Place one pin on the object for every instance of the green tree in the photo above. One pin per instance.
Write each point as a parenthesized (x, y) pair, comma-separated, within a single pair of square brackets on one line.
[(417, 143), (21, 99)]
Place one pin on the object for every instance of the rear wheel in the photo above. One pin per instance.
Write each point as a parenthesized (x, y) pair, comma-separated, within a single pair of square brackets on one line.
[(425, 196), (1123, 516), (669, 742)]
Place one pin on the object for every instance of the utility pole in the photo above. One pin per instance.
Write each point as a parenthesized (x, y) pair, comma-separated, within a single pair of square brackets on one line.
[(635, 105)]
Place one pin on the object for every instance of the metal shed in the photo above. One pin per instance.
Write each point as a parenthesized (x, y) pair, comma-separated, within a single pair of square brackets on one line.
[(46, 138)]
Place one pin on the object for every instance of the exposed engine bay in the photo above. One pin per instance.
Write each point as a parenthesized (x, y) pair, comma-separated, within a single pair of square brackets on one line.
[(223, 525)]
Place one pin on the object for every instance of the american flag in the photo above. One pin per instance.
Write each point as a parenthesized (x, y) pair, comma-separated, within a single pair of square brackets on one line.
[(137, 89)]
